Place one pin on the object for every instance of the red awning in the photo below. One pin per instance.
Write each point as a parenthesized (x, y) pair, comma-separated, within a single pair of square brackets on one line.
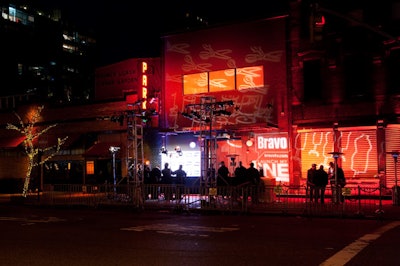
[(11, 142), (102, 150), (48, 140)]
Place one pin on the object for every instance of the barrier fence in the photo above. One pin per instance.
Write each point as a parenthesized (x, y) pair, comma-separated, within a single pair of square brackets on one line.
[(357, 201)]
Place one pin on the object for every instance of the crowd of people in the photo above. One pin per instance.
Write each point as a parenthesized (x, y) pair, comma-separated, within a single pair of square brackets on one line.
[(318, 179), (165, 175), (240, 176)]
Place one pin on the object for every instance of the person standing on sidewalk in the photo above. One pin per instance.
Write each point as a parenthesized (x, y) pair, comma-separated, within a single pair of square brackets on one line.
[(166, 180), (321, 180), (341, 183), (240, 174), (180, 175), (311, 176), (254, 179), (222, 175)]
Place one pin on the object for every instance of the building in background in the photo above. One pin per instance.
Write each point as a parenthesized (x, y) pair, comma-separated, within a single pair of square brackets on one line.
[(44, 57), (283, 92)]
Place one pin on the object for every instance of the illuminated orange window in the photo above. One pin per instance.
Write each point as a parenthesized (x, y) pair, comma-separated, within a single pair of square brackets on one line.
[(249, 77), (222, 80), (90, 167), (195, 83)]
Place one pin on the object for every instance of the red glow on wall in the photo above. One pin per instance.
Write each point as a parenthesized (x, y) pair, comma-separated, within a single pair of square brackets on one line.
[(215, 63), (319, 21), (359, 158)]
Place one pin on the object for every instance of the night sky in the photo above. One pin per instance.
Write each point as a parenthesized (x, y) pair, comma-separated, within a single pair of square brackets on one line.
[(133, 29)]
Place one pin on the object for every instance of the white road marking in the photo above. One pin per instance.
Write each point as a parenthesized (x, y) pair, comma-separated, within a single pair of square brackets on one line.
[(28, 221), (180, 229), (347, 253)]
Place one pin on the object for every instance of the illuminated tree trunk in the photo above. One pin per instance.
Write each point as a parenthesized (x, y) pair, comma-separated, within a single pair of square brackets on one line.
[(31, 133), (27, 178)]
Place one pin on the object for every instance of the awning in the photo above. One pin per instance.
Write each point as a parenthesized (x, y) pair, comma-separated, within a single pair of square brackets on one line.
[(11, 142), (49, 140), (102, 150)]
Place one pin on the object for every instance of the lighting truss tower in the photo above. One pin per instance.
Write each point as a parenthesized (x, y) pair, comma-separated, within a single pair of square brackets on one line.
[(135, 151), (203, 115), (208, 144)]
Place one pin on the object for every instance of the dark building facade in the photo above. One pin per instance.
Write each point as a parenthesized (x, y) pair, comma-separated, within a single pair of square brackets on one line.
[(44, 57)]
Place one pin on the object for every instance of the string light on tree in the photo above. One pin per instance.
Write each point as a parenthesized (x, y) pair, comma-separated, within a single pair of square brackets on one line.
[(31, 133)]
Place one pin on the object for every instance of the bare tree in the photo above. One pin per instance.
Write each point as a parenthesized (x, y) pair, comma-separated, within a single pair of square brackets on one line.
[(31, 133)]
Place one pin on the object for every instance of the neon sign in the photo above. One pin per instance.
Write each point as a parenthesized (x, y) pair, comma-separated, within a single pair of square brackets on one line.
[(144, 85)]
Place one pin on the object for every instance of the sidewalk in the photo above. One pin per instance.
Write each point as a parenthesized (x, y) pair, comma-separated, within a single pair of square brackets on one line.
[(289, 206)]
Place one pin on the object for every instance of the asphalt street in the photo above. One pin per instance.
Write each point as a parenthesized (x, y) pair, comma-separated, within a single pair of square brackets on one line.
[(49, 236)]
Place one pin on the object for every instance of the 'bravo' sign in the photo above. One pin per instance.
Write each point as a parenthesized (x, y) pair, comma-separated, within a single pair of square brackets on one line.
[(272, 143), (273, 155)]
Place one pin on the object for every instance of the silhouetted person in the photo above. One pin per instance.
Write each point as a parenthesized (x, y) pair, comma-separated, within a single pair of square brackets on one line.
[(341, 182), (166, 179), (180, 175), (331, 171), (146, 174), (320, 182), (310, 181), (155, 175), (223, 175), (253, 177), (337, 183), (240, 174), (166, 174)]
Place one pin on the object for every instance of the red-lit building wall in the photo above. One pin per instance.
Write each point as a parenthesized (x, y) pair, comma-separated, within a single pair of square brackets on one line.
[(358, 146), (128, 77), (227, 48), (245, 63)]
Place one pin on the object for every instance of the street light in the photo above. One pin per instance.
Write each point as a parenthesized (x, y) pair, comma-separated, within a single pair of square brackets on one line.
[(114, 150), (395, 155)]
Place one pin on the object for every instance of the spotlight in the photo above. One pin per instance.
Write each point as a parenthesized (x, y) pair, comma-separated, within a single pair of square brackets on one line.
[(164, 150), (249, 143), (178, 150), (114, 149)]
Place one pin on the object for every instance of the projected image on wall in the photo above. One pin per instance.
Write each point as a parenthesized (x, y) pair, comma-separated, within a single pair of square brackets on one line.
[(222, 80), (195, 83), (359, 148), (249, 77)]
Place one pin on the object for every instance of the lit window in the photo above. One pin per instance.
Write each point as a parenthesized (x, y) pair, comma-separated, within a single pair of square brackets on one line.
[(195, 83), (90, 167), (249, 77), (222, 80)]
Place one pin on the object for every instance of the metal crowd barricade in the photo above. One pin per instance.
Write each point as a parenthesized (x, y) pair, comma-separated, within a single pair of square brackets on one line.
[(360, 201)]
